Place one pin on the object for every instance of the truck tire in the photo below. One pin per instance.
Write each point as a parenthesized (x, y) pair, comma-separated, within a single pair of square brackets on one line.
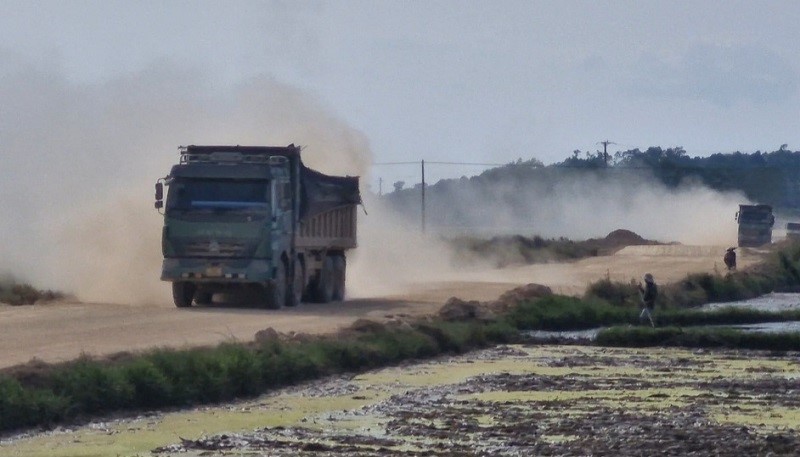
[(203, 298), (339, 270), (294, 293), (324, 287), (183, 293), (276, 292)]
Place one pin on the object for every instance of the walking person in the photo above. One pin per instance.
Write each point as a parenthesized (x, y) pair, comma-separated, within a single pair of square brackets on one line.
[(730, 259), (648, 293)]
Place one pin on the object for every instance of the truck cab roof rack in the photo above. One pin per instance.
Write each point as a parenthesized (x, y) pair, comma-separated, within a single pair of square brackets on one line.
[(231, 155)]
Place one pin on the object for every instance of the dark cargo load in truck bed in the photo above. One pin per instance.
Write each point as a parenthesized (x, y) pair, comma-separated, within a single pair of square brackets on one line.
[(318, 192)]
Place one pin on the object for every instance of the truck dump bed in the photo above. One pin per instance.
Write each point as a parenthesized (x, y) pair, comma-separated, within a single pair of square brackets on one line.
[(327, 210), (334, 228)]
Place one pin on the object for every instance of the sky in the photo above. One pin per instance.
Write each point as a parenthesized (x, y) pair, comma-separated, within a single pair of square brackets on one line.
[(453, 81)]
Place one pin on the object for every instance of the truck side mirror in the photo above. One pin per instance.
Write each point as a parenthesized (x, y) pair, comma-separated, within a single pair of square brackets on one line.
[(159, 195)]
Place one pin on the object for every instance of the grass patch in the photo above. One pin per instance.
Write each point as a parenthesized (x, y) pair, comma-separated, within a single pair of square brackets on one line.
[(561, 313), (697, 338), (558, 313), (162, 378)]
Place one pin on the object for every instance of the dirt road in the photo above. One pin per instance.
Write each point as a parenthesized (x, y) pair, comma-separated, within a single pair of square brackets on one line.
[(57, 332)]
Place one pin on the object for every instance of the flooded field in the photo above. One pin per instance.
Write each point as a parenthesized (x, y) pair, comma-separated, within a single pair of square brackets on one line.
[(509, 400), (774, 302)]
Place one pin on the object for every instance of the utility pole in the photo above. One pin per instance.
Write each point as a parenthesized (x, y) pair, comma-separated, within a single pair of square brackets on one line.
[(423, 196), (605, 150), (380, 187)]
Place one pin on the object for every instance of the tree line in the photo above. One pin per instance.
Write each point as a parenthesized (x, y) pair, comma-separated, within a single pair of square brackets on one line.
[(764, 177)]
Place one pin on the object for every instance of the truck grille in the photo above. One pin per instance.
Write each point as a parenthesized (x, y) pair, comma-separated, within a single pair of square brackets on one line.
[(214, 248)]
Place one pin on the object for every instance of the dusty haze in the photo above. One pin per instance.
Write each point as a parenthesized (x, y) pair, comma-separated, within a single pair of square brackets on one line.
[(79, 164), (577, 205), (394, 257)]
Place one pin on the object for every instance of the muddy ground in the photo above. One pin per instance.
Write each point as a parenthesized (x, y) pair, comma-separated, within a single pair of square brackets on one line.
[(510, 400), (579, 401)]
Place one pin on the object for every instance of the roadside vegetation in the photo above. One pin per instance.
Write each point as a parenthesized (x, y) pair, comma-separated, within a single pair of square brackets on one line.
[(697, 338), (39, 394), (43, 395), (780, 270), (17, 293)]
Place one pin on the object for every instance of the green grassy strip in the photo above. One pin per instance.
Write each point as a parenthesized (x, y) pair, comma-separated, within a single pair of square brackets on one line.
[(172, 378), (697, 338), (560, 313)]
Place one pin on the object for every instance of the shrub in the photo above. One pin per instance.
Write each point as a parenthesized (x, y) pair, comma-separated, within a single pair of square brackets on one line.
[(93, 388), (16, 293), (151, 388), (568, 313), (23, 407), (616, 293)]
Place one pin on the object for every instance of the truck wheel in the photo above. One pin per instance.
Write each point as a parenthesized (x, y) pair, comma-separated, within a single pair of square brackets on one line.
[(339, 267), (323, 291), (295, 287), (203, 298), (183, 293), (276, 292)]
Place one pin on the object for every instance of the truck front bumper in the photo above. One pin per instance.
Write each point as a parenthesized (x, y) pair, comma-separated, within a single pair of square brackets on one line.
[(217, 270)]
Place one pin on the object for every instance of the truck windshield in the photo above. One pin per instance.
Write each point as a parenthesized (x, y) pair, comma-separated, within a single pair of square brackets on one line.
[(754, 216), (219, 195)]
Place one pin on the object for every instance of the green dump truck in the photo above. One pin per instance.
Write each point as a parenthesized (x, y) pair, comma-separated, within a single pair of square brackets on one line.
[(755, 225), (254, 222)]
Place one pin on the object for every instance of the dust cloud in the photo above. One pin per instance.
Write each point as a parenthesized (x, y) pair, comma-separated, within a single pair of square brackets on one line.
[(79, 163), (394, 257), (581, 205)]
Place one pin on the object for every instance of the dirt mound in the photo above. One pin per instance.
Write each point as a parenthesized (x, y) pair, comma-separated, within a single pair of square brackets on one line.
[(459, 310), (519, 294), (622, 237)]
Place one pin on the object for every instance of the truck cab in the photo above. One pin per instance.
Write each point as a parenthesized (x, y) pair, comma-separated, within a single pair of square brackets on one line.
[(755, 225)]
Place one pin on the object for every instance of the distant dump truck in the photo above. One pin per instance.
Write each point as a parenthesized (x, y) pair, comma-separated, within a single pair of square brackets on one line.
[(793, 230), (755, 225), (255, 221)]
